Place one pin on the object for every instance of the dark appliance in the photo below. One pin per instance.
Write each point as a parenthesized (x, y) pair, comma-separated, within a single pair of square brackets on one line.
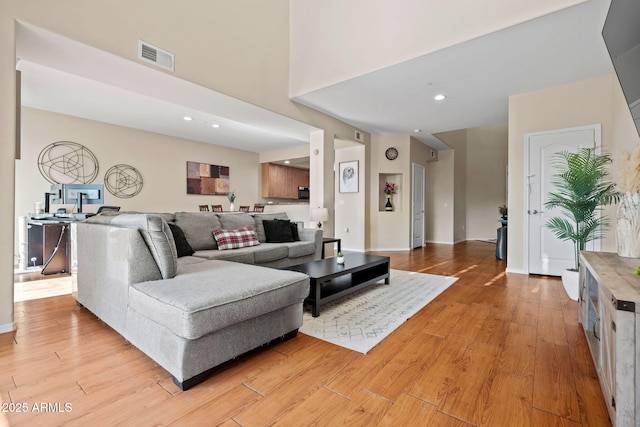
[(622, 38), (303, 193)]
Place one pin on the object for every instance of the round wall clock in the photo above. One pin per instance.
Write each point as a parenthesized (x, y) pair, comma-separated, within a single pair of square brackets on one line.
[(391, 153)]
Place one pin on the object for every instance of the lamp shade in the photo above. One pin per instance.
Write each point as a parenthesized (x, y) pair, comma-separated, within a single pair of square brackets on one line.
[(319, 214)]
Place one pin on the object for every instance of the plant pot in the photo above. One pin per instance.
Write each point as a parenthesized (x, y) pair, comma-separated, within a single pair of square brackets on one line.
[(231, 207), (340, 260), (571, 283), (628, 226)]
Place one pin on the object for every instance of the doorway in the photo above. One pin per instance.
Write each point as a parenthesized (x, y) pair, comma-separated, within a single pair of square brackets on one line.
[(547, 255)]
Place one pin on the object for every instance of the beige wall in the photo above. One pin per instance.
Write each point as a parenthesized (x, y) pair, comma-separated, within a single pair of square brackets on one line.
[(439, 201), (487, 153), (350, 207), (160, 159), (582, 103), (390, 230)]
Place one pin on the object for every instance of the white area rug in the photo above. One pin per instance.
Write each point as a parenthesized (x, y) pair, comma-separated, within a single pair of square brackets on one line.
[(361, 320)]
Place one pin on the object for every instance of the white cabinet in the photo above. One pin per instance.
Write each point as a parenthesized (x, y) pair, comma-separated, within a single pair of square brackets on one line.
[(609, 298)]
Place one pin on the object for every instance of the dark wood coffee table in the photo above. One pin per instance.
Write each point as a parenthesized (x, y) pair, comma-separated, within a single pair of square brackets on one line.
[(330, 280)]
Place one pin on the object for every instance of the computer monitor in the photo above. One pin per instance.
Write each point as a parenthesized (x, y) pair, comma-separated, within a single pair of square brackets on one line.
[(64, 194)]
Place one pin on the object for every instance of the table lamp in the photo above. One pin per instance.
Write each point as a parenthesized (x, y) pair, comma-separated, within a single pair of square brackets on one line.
[(320, 215)]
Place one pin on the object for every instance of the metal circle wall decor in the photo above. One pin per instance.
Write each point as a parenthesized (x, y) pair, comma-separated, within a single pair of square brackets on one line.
[(66, 162), (123, 181)]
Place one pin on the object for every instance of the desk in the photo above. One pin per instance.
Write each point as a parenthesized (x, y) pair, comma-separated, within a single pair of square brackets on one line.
[(330, 240), (44, 238)]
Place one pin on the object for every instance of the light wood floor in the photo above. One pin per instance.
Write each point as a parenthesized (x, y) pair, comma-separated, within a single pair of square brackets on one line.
[(494, 349)]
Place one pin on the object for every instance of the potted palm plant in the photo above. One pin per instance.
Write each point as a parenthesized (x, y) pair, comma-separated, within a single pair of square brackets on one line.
[(582, 189)]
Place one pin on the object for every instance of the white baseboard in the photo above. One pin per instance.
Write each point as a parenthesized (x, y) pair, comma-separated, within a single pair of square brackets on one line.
[(387, 249), (440, 243), (8, 327), (516, 271)]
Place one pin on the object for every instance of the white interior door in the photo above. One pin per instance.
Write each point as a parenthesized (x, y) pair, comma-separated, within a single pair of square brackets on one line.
[(547, 254), (417, 211)]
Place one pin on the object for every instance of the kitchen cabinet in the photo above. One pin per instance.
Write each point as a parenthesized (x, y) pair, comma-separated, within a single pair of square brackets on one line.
[(282, 182)]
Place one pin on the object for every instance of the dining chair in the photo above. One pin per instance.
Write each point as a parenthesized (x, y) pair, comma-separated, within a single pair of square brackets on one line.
[(244, 209), (258, 208), (203, 208), (216, 208)]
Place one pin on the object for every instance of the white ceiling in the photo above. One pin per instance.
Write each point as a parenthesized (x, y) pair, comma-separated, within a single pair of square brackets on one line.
[(477, 77)]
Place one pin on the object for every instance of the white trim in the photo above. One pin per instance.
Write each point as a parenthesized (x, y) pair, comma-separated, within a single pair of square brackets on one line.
[(441, 243), (413, 189), (7, 327), (516, 271), (387, 249), (353, 250), (597, 128)]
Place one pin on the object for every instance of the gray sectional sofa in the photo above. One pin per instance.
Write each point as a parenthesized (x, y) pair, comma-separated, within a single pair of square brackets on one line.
[(191, 313)]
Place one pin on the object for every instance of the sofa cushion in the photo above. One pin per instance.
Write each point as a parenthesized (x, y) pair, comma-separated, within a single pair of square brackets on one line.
[(157, 236), (183, 248), (277, 230), (243, 255), (259, 217), (301, 248), (242, 237), (198, 228), (231, 221), (268, 252), (209, 296)]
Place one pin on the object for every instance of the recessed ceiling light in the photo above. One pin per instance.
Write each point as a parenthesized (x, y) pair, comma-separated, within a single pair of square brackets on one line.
[(439, 97), (287, 162), (215, 125), (417, 130), (187, 118)]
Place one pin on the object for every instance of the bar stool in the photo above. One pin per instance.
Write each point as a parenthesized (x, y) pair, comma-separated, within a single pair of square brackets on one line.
[(244, 209), (258, 208), (216, 208), (203, 208)]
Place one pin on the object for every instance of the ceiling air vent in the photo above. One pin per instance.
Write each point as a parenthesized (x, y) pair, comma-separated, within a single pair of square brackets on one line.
[(359, 136), (154, 55)]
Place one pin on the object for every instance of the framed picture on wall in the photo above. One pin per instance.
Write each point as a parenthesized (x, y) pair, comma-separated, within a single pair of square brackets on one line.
[(203, 178), (349, 177)]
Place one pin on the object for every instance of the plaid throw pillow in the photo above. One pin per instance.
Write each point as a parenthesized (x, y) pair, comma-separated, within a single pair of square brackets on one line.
[(242, 237)]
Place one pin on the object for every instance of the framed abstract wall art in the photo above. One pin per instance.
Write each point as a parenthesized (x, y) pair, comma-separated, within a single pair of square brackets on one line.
[(203, 178)]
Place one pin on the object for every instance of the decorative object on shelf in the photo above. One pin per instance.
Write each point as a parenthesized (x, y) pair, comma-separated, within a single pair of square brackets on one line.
[(581, 190), (123, 181), (389, 189), (320, 215), (503, 211), (628, 215), (207, 179), (340, 258), (232, 197), (66, 162), (391, 153), (349, 177), (628, 226)]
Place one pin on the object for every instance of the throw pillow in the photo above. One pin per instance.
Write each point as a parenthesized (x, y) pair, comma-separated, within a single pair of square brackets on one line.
[(242, 237), (182, 245), (277, 230), (294, 232)]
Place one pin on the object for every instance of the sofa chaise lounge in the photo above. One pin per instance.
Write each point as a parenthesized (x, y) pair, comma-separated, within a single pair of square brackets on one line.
[(191, 313)]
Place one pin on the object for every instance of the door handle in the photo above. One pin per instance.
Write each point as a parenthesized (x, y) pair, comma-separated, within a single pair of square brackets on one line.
[(534, 212)]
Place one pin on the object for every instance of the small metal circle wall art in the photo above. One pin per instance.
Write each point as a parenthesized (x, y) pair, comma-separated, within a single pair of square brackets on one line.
[(123, 181), (66, 162)]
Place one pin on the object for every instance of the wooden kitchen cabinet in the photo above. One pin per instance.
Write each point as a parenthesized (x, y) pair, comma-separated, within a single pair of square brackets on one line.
[(282, 182)]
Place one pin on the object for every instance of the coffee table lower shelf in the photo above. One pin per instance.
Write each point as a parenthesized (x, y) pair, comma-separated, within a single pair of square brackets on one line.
[(329, 280)]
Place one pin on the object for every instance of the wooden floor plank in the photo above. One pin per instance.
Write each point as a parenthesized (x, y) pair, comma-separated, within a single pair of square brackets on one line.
[(495, 348)]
